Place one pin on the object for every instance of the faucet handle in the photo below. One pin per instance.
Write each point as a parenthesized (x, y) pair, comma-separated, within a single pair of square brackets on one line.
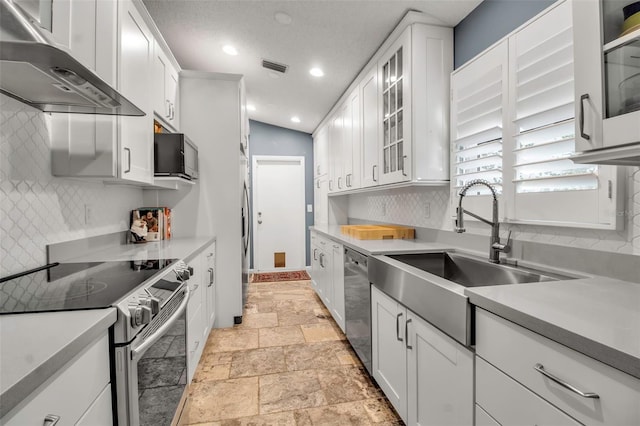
[(506, 247)]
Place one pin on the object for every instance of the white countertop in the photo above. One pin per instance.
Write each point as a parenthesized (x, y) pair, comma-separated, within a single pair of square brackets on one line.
[(175, 248), (373, 247), (597, 316), (35, 346)]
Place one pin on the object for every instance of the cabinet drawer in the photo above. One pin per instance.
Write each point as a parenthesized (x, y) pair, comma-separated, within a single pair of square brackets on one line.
[(70, 392), (516, 351), (99, 414), (484, 419), (509, 403)]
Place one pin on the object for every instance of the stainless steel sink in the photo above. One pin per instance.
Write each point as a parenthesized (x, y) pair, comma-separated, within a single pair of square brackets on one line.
[(432, 285), (471, 272)]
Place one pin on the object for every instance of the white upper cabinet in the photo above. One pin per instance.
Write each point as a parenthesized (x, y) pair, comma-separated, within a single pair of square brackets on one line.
[(165, 87), (135, 59), (392, 126), (395, 77), (608, 85), (369, 128), (414, 104), (321, 152)]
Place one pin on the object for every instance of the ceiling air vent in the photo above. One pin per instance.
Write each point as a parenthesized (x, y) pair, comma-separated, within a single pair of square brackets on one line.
[(274, 66)]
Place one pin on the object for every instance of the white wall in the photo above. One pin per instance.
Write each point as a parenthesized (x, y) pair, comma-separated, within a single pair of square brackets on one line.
[(37, 208), (408, 207)]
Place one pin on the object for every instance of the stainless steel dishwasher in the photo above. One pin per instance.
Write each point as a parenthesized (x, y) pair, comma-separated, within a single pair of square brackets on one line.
[(357, 294)]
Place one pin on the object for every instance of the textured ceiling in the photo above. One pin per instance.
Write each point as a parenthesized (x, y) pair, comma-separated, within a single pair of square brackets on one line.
[(339, 36)]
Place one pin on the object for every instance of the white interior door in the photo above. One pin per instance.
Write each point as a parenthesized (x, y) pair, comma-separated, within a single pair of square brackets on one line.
[(279, 216)]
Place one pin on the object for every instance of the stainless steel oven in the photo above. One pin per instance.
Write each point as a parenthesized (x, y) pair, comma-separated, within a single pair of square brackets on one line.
[(151, 369)]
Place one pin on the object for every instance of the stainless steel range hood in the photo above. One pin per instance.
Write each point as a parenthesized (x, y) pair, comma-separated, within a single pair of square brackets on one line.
[(625, 155), (37, 71)]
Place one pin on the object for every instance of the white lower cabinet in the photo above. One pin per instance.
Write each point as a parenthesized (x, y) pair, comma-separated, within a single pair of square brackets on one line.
[(509, 403), (196, 316), (517, 387), (483, 418), (80, 393), (327, 275), (426, 375)]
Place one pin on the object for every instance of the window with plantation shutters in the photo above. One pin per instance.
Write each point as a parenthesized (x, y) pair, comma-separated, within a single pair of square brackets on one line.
[(478, 100), (543, 183)]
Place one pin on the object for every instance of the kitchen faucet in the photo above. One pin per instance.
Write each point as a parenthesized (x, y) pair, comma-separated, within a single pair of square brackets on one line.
[(496, 247)]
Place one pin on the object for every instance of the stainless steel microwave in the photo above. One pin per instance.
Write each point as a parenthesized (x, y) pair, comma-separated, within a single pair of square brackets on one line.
[(175, 155)]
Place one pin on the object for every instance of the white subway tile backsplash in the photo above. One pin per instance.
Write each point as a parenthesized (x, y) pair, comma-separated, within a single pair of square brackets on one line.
[(406, 206), (37, 208)]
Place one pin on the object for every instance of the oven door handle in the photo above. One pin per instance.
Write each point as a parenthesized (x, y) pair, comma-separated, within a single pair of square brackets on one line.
[(140, 350)]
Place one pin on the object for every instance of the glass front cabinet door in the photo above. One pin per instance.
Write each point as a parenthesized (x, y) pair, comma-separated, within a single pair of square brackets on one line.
[(608, 81)]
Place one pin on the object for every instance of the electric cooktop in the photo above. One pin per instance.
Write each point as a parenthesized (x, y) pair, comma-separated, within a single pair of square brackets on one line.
[(72, 286)]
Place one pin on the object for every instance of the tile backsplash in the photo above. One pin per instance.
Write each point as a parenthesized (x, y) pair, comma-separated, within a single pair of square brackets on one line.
[(408, 206), (37, 208)]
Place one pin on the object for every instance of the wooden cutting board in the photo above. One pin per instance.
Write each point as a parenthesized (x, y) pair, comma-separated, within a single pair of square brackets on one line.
[(378, 232)]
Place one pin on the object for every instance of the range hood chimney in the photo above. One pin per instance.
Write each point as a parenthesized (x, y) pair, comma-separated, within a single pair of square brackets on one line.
[(37, 71)]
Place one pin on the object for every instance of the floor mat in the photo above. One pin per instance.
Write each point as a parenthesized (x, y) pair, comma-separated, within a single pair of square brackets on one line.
[(263, 277)]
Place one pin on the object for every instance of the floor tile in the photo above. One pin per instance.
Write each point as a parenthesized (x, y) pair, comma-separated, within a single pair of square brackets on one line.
[(350, 413), (380, 410), (257, 362), (290, 391), (320, 332), (211, 373), (297, 318), (259, 320), (280, 336), (232, 339), (277, 419), (313, 355), (344, 384), (228, 399)]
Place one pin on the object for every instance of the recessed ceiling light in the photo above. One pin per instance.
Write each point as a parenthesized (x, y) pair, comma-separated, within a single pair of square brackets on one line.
[(316, 72), (230, 50), (295, 119), (251, 107), (282, 18)]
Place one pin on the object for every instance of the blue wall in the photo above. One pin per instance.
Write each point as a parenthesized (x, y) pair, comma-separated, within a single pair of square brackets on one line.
[(489, 22), (266, 139)]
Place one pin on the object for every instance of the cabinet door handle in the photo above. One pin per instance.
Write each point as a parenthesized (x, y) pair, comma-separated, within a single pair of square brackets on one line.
[(339, 180), (406, 334), (315, 252), (318, 169), (128, 160), (321, 262), (167, 108), (398, 327), (210, 277), (373, 172), (404, 157), (318, 184), (540, 369), (50, 420), (330, 186), (582, 133)]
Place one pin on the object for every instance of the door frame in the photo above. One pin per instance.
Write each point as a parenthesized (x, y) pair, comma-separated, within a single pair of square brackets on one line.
[(254, 220)]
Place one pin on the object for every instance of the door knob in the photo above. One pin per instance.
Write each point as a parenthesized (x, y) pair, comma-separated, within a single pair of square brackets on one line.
[(259, 222)]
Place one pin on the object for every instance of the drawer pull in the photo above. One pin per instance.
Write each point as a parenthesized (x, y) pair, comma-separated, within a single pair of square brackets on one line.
[(50, 420), (540, 368)]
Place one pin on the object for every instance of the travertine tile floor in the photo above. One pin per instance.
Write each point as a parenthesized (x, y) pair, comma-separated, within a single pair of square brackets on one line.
[(288, 363)]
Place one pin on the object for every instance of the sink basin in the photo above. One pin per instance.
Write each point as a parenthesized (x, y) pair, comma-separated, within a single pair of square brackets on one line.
[(432, 285), (470, 272)]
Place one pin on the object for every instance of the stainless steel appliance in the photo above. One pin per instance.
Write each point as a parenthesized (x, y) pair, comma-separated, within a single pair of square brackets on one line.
[(148, 340), (175, 155), (357, 294), (44, 75)]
